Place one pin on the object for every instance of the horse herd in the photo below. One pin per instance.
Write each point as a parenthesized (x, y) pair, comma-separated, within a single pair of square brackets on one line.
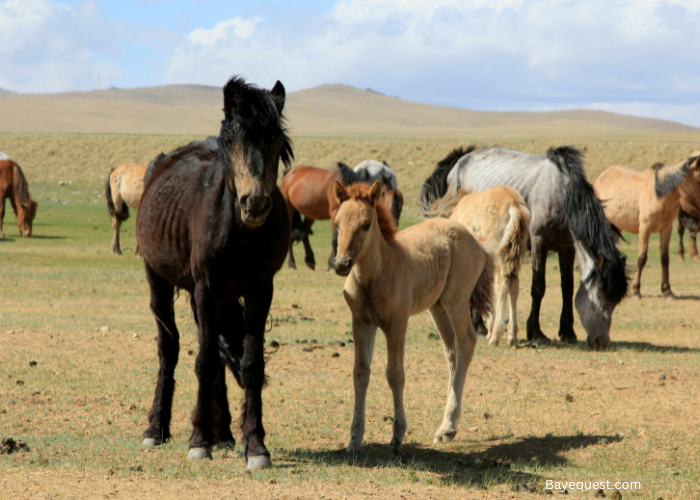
[(213, 220)]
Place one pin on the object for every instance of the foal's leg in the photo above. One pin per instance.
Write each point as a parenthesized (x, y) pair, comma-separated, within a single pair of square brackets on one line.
[(442, 322), (363, 334), (539, 285), (665, 240), (310, 260), (396, 376), (644, 235), (465, 344), (158, 430), (257, 307), (498, 321), (514, 290), (681, 232), (566, 320), (207, 367)]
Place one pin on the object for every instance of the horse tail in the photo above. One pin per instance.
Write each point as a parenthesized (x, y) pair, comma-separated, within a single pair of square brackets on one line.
[(514, 240), (435, 186), (482, 295), (121, 215), (583, 213)]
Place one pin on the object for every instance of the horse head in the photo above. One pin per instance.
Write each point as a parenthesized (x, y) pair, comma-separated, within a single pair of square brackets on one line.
[(252, 141), (25, 216)]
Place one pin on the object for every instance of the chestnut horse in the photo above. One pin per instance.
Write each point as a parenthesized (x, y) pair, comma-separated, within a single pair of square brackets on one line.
[(689, 214), (644, 203), (13, 185), (212, 221), (123, 189), (436, 265)]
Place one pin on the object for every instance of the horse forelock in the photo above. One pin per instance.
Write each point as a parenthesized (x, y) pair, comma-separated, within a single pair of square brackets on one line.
[(362, 192)]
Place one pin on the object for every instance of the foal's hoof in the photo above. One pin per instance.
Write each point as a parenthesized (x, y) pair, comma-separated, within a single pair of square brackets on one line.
[(151, 442), (259, 462), (203, 453), (227, 445), (396, 448), (444, 437)]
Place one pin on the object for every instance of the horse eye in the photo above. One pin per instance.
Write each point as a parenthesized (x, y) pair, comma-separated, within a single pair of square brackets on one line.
[(366, 226)]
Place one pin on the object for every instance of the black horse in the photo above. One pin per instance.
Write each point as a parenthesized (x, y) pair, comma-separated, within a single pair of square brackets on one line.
[(213, 222)]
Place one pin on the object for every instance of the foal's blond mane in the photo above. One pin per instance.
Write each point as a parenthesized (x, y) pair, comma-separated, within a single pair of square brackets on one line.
[(362, 191)]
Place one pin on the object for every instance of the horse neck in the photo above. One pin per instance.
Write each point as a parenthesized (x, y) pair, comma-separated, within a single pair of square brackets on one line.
[(372, 262)]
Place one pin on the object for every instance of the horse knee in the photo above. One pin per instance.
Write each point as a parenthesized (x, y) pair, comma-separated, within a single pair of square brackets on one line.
[(395, 377)]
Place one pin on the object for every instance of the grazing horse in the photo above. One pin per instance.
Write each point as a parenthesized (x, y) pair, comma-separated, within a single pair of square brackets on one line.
[(435, 265), (123, 189), (499, 217), (13, 185), (566, 217), (212, 221), (689, 214), (370, 171), (644, 203)]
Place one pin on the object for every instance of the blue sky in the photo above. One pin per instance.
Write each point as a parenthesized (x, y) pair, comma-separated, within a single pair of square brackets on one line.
[(638, 57)]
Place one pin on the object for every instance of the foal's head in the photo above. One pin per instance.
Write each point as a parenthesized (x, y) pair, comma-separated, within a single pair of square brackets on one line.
[(361, 219), (252, 141)]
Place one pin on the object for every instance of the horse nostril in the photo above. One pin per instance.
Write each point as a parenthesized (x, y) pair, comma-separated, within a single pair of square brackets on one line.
[(243, 201)]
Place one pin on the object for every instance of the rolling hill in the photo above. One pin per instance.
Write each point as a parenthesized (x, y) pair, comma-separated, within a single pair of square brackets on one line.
[(324, 111)]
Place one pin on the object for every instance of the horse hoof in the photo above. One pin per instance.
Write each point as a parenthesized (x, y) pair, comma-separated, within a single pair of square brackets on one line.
[(636, 296), (229, 444), (151, 442), (311, 265), (542, 341), (200, 453), (670, 298), (292, 266), (444, 437), (259, 462), (569, 340)]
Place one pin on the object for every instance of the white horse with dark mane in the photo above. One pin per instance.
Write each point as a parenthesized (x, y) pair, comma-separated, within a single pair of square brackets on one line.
[(371, 171), (567, 218)]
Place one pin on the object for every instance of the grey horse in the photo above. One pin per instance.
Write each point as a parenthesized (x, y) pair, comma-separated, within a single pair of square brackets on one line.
[(567, 218), (370, 171)]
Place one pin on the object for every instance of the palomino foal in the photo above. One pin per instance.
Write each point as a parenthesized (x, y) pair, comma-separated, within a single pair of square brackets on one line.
[(435, 265)]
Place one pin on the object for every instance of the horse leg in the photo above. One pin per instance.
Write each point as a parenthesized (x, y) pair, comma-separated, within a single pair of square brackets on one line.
[(224, 438), (363, 334), (2, 213), (310, 260), (498, 317), (334, 251), (464, 346), (478, 323), (291, 262), (116, 226), (665, 240), (514, 290), (681, 232), (539, 286), (446, 432), (159, 416), (396, 376), (566, 320), (257, 307), (694, 245), (207, 367), (644, 235)]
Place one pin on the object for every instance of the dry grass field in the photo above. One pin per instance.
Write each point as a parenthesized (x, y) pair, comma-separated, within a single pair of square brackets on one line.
[(560, 413)]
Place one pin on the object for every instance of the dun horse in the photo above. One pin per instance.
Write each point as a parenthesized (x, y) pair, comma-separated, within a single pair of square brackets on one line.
[(689, 213), (566, 218), (123, 189), (13, 185), (499, 217), (212, 221), (308, 191), (644, 203), (435, 265)]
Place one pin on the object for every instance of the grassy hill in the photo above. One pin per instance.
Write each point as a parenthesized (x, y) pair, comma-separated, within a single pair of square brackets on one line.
[(325, 111)]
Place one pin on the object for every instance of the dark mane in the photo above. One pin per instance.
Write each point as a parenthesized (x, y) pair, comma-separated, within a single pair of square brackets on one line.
[(349, 175), (252, 115), (585, 217), (673, 177), (362, 191), (435, 186)]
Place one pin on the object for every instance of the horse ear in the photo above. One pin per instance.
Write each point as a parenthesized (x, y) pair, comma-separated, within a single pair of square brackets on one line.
[(279, 94), (340, 193), (375, 193)]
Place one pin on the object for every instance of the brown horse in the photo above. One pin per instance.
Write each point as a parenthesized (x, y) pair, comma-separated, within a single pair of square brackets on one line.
[(689, 214), (436, 265), (308, 191), (123, 189), (13, 185), (644, 203), (212, 221)]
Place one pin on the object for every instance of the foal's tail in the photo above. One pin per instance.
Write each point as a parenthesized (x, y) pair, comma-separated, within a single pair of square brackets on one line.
[(481, 299), (121, 215), (514, 240)]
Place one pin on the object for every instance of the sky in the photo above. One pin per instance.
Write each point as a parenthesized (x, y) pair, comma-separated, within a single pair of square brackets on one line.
[(639, 57)]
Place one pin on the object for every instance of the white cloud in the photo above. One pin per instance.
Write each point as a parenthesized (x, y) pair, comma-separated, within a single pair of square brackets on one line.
[(237, 27)]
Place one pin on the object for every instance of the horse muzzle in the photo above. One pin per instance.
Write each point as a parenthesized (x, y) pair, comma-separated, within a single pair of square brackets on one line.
[(343, 265), (255, 209)]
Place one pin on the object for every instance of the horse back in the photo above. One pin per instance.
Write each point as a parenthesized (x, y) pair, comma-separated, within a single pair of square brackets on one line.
[(310, 190)]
